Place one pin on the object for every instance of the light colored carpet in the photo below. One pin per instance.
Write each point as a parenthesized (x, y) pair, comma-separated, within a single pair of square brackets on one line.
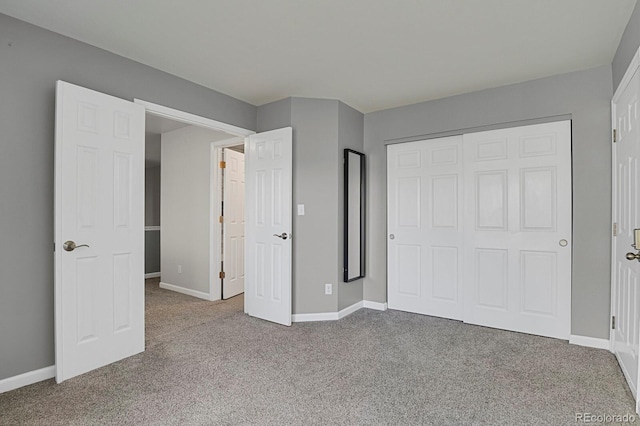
[(210, 364)]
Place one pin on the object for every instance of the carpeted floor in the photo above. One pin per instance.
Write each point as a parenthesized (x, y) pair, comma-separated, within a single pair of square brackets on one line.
[(207, 363)]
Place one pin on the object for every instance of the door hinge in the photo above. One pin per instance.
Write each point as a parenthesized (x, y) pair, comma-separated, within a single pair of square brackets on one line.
[(615, 229), (220, 219), (223, 164), (221, 275), (615, 136), (613, 323)]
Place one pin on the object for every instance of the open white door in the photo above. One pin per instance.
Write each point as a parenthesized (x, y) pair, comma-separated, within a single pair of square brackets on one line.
[(268, 225), (625, 295), (233, 224), (99, 202)]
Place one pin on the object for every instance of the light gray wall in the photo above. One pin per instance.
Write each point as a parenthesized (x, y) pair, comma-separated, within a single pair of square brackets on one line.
[(627, 48), (31, 60), (274, 115), (316, 171), (152, 196), (185, 204), (350, 135), (151, 251), (586, 95)]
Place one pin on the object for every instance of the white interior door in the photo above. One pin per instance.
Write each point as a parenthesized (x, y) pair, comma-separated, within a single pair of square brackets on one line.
[(424, 211), (625, 293), (268, 225), (99, 195), (233, 224), (518, 229)]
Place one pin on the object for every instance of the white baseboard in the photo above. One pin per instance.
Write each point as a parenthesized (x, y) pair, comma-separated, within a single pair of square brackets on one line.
[(152, 275), (375, 305), (350, 309), (187, 291), (26, 379), (591, 342), (321, 316), (333, 316)]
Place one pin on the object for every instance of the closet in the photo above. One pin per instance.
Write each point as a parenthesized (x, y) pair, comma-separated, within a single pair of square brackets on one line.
[(479, 228)]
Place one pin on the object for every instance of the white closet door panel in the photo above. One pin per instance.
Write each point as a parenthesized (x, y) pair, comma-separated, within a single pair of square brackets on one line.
[(424, 221), (517, 273)]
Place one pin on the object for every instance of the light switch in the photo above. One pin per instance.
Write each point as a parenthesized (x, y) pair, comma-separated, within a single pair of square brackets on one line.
[(300, 209)]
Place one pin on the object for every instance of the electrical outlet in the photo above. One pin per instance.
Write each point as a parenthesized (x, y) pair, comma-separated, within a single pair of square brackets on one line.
[(328, 289), (179, 269)]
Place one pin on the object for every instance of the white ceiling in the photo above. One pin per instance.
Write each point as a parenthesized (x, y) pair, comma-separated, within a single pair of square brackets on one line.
[(371, 54)]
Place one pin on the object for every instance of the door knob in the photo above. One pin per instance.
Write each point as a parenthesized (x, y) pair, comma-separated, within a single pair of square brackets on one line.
[(71, 246), (633, 256), (284, 235)]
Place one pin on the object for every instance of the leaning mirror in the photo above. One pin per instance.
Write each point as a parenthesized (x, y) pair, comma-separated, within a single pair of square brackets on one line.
[(354, 206)]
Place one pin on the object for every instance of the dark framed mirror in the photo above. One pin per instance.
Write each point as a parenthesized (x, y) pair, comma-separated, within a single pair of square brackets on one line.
[(354, 218)]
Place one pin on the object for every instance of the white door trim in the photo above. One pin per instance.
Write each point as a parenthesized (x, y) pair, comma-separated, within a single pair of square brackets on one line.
[(215, 227), (196, 120)]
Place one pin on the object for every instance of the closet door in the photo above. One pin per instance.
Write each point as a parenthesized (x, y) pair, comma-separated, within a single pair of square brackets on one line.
[(424, 227), (518, 229)]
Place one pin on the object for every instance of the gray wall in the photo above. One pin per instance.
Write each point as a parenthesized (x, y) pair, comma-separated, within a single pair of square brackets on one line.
[(31, 60), (350, 135), (586, 95), (152, 218), (321, 129), (315, 173), (152, 196), (185, 204), (627, 48), (151, 252)]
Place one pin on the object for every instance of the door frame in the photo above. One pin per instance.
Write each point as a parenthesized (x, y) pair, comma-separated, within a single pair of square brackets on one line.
[(236, 137)]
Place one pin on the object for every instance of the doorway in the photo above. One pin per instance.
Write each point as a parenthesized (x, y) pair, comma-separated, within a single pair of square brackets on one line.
[(183, 192)]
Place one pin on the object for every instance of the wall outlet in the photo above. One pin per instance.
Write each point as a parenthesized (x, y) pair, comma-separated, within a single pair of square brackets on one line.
[(328, 289), (179, 269)]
